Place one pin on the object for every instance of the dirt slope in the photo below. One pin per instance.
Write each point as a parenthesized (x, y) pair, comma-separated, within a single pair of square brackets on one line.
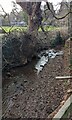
[(26, 94)]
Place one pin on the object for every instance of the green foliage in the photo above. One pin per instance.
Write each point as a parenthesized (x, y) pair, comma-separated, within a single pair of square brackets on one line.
[(25, 17), (49, 28), (11, 54), (7, 28), (18, 47), (57, 41)]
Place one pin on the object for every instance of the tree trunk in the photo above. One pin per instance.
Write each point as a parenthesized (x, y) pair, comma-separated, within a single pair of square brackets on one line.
[(33, 28), (34, 15)]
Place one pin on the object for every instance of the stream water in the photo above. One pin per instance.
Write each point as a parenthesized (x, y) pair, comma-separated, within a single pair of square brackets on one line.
[(44, 57)]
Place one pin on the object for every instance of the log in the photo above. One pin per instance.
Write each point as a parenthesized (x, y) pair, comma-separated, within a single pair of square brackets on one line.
[(64, 77), (63, 109)]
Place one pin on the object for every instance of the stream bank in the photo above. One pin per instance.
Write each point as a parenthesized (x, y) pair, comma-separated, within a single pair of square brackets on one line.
[(28, 95)]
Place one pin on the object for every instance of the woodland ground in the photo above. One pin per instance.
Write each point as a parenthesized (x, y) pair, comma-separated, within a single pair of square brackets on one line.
[(28, 95)]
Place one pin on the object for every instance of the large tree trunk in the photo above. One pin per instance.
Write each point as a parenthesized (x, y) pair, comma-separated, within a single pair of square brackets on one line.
[(33, 28), (34, 15)]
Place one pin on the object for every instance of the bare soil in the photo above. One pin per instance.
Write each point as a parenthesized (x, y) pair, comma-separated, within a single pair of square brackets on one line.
[(28, 95)]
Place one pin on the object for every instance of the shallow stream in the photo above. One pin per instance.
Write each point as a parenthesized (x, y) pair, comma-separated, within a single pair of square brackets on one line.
[(44, 57)]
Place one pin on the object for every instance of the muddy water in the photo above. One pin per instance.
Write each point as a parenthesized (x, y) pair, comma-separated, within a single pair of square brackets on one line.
[(26, 94)]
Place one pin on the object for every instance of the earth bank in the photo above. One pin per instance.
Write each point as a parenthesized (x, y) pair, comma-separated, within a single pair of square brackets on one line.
[(28, 95)]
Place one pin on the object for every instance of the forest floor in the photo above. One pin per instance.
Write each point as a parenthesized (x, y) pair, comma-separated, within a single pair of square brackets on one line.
[(28, 95)]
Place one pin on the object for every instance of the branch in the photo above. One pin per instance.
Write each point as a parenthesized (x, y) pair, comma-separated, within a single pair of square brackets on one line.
[(10, 29), (35, 9), (43, 29), (15, 7), (3, 12), (7, 15), (3, 30), (27, 6), (58, 18)]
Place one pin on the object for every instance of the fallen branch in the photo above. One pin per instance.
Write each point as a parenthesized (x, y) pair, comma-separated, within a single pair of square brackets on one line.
[(64, 77)]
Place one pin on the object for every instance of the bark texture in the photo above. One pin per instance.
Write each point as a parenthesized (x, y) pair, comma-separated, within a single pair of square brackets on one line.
[(34, 14)]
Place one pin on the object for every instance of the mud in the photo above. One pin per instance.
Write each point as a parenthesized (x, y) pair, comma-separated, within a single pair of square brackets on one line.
[(28, 95)]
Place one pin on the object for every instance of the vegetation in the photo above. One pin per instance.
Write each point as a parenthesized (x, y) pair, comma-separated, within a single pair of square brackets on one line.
[(18, 48), (25, 17), (49, 28), (7, 28), (46, 28), (57, 41)]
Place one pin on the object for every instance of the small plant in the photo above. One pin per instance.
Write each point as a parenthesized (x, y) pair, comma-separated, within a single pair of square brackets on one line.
[(57, 41)]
